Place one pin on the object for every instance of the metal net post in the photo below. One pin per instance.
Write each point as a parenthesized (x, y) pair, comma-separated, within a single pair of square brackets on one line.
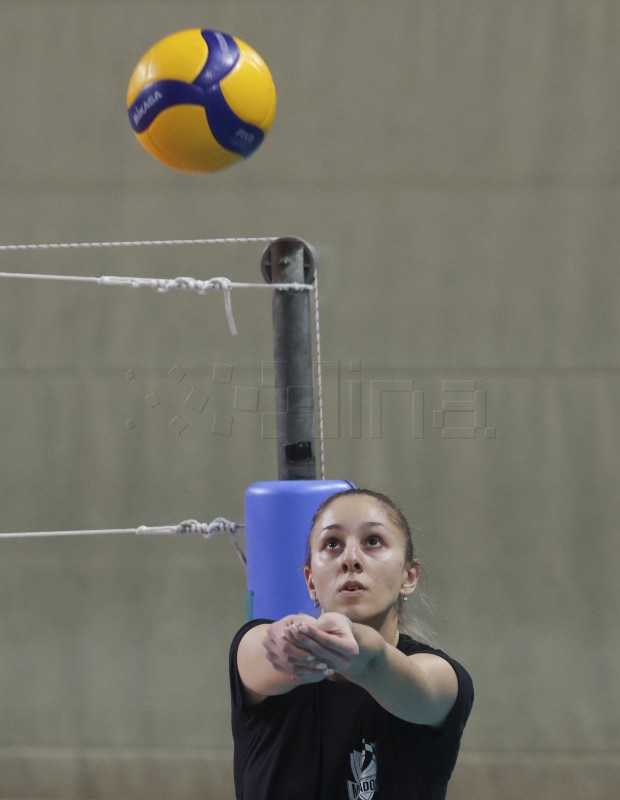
[(290, 260)]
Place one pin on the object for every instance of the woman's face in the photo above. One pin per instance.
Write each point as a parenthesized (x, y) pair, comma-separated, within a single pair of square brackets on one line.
[(357, 561)]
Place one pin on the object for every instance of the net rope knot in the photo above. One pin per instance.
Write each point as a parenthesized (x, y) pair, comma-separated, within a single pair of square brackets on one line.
[(208, 529), (221, 284), (224, 285)]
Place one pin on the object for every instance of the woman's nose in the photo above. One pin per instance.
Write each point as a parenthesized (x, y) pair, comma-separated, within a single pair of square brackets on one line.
[(351, 559)]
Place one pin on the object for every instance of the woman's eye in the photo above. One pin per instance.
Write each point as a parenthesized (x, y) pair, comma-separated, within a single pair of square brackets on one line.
[(331, 544), (374, 541)]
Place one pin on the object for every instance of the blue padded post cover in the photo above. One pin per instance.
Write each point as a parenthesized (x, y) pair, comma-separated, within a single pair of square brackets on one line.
[(278, 517)]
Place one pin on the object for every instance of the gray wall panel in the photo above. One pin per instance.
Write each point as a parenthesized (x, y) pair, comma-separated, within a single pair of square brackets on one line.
[(456, 168)]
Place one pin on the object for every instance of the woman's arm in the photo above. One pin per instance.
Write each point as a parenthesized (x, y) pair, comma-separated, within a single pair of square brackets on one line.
[(270, 662), (420, 688)]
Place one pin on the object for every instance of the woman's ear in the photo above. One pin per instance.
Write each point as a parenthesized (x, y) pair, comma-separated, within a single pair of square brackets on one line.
[(309, 580), (411, 577)]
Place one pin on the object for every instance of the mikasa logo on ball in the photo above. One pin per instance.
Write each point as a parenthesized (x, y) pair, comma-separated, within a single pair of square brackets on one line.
[(244, 136), (150, 101)]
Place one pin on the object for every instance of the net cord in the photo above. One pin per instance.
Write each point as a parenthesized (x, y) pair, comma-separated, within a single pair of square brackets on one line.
[(165, 285), (189, 527), (145, 243), (162, 285), (319, 377)]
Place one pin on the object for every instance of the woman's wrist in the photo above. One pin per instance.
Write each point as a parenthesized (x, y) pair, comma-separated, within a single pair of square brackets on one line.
[(371, 649)]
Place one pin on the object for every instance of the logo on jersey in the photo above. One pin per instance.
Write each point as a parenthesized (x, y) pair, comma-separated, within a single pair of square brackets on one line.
[(364, 771)]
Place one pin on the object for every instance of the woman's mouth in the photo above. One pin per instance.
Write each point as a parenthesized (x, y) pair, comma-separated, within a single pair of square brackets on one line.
[(351, 589)]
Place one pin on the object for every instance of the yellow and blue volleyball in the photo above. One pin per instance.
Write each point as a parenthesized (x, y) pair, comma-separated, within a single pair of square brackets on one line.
[(201, 100)]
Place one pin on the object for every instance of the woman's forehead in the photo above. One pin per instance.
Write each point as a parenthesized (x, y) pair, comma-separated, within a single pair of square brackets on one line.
[(353, 509)]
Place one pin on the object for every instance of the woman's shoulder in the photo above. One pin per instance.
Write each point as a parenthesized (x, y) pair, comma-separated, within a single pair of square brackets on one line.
[(245, 628), (409, 646), (463, 703)]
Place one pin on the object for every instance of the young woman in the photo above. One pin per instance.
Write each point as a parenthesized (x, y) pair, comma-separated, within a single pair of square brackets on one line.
[(344, 707)]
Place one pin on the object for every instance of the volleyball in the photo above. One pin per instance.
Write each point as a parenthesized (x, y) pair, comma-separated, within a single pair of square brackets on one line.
[(201, 100)]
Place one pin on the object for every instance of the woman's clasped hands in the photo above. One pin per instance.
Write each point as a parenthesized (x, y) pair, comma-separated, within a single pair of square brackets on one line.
[(310, 650)]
